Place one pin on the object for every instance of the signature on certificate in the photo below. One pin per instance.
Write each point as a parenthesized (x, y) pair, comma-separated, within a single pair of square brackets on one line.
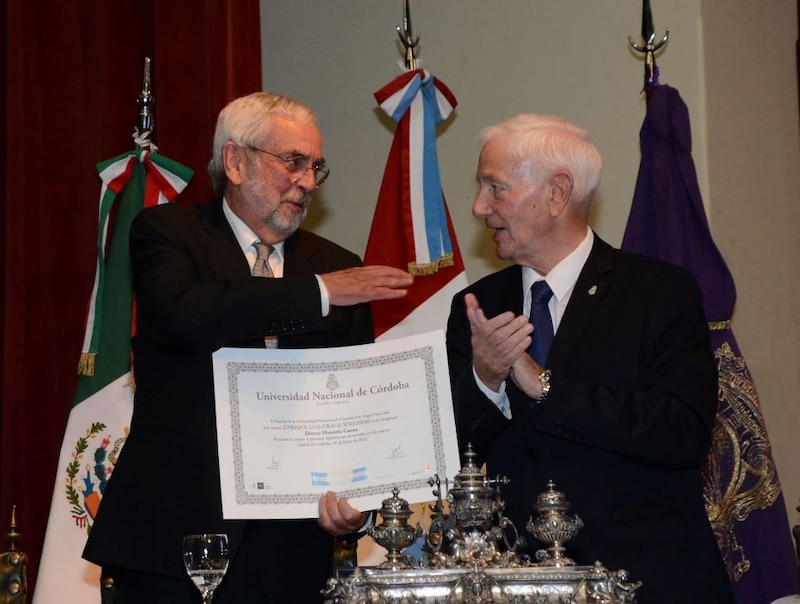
[(275, 464), (397, 453)]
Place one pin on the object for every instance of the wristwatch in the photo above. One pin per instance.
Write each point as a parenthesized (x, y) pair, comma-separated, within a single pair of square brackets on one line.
[(544, 380)]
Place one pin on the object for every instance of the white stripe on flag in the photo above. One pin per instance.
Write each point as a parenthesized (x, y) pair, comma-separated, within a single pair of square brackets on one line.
[(63, 575), (431, 315), (416, 143)]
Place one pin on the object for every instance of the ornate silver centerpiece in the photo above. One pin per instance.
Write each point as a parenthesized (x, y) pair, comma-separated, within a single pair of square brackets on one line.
[(394, 533), (479, 529), (471, 554), (553, 526)]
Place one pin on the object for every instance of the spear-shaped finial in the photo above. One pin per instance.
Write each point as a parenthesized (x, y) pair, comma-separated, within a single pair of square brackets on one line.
[(407, 38), (12, 536), (648, 32), (649, 48), (146, 101)]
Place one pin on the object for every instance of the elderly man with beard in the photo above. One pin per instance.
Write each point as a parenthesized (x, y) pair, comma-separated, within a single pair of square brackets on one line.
[(198, 281)]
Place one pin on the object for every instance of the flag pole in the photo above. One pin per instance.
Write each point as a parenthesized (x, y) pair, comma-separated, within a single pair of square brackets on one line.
[(649, 48), (146, 101), (146, 122), (407, 38)]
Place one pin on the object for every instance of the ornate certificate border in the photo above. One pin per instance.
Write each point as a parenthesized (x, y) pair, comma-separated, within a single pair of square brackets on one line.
[(246, 495)]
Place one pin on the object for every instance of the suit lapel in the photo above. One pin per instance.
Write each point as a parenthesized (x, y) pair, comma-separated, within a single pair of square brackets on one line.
[(508, 296), (593, 284), (298, 255), (223, 252)]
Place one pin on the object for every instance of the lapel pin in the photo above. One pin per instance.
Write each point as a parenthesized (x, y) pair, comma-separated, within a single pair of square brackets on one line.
[(592, 290)]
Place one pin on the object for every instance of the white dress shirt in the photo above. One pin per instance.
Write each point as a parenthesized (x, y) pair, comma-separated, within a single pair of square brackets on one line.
[(561, 279), (246, 238)]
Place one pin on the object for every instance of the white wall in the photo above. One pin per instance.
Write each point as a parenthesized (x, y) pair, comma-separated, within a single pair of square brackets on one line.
[(754, 171), (569, 57), (572, 58)]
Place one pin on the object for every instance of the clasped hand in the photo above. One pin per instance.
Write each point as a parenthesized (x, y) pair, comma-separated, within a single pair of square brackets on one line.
[(499, 349)]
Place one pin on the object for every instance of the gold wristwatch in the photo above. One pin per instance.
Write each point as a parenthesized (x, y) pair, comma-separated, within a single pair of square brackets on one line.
[(544, 380)]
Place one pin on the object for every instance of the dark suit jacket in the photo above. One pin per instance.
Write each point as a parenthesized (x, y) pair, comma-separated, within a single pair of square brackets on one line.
[(624, 429), (195, 294)]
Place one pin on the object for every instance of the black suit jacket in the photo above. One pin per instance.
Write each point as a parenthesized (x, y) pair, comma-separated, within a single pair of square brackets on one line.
[(195, 294), (625, 426)]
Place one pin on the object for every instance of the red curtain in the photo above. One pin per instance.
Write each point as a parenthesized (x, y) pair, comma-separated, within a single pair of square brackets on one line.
[(71, 76)]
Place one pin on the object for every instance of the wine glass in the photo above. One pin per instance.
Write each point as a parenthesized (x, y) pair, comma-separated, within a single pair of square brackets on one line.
[(206, 559)]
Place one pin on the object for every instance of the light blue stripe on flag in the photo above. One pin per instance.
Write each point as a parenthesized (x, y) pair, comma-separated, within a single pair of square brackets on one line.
[(320, 479)]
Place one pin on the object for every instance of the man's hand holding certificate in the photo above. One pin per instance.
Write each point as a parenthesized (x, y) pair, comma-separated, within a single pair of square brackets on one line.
[(360, 420)]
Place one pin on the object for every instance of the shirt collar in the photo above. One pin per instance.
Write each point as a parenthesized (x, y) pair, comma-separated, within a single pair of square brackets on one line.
[(563, 276), (243, 233)]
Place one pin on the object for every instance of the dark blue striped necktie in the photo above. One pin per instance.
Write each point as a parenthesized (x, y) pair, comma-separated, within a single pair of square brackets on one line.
[(542, 322)]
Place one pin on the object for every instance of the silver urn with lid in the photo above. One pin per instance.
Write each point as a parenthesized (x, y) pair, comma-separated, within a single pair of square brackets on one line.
[(394, 532), (553, 526), (474, 497)]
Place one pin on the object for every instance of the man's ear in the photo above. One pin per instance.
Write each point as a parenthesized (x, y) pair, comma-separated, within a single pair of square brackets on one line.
[(233, 160), (560, 191)]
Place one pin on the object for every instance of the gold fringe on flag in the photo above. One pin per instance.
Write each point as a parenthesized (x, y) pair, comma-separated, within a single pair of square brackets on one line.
[(430, 267), (131, 381), (719, 325), (86, 364)]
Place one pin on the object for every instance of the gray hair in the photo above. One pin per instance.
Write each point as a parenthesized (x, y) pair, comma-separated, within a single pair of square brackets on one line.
[(246, 121), (550, 143)]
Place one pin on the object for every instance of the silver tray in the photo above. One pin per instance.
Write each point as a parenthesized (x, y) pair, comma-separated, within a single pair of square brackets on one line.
[(523, 585), (472, 553)]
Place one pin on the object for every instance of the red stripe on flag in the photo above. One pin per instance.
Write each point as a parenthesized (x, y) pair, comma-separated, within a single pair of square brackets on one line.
[(397, 84), (157, 184), (120, 181), (383, 248), (441, 87)]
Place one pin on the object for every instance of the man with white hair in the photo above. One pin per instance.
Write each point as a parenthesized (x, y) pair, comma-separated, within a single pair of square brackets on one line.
[(587, 366)]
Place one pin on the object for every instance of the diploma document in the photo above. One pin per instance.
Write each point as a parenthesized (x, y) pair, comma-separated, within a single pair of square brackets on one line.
[(357, 420)]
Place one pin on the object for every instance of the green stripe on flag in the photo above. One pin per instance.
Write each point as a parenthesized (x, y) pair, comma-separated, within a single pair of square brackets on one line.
[(113, 356)]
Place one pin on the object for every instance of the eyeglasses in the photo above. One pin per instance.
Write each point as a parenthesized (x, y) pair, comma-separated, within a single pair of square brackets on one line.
[(298, 164)]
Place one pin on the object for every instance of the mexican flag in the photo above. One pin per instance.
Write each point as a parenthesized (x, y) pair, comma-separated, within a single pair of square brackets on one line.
[(411, 228), (101, 411)]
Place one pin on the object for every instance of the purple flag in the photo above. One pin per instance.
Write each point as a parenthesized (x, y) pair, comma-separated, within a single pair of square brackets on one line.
[(742, 492)]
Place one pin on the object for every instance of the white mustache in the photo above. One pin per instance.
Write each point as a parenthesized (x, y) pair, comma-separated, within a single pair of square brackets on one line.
[(303, 201)]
